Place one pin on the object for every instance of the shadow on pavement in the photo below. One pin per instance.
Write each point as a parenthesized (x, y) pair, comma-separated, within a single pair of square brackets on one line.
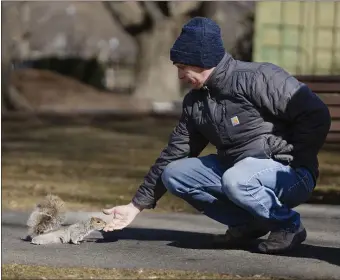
[(204, 241), (146, 234), (322, 253)]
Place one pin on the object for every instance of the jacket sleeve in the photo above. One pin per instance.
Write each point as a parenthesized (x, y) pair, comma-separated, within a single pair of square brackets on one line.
[(184, 141), (284, 97)]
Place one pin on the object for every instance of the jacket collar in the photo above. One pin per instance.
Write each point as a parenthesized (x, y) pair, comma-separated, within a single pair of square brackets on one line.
[(217, 79)]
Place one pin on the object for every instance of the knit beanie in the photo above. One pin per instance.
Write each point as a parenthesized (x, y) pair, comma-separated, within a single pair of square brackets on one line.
[(199, 44)]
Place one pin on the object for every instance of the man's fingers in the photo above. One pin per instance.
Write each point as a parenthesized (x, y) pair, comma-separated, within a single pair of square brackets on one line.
[(112, 225), (109, 227), (115, 225), (108, 211), (120, 226)]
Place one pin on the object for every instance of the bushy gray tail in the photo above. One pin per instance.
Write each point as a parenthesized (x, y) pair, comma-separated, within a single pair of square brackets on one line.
[(48, 215)]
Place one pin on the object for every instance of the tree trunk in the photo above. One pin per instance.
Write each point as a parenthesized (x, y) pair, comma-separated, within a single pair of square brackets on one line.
[(156, 76), (6, 55), (5, 83)]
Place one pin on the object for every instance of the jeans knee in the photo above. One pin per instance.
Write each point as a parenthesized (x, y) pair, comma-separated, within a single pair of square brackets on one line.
[(233, 186), (170, 176)]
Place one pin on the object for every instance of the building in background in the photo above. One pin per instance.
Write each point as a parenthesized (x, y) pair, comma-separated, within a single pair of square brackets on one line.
[(301, 36)]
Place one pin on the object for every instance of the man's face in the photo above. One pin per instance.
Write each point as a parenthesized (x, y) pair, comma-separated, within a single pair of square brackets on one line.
[(191, 75)]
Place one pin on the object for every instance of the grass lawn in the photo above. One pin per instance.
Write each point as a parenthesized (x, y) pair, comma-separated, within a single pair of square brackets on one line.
[(97, 164), (15, 271)]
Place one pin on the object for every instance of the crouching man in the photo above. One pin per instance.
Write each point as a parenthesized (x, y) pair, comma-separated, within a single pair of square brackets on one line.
[(267, 128)]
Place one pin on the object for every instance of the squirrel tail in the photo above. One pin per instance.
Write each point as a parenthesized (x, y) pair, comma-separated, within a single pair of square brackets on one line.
[(48, 215)]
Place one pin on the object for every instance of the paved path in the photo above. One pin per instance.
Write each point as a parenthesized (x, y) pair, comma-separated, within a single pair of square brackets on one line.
[(180, 241)]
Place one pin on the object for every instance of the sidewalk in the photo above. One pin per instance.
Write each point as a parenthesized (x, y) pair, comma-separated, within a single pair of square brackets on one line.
[(178, 241)]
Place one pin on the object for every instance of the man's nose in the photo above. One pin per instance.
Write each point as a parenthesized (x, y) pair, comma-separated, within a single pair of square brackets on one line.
[(180, 74)]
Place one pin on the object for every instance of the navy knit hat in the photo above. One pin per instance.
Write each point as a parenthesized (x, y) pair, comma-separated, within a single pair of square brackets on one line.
[(199, 44)]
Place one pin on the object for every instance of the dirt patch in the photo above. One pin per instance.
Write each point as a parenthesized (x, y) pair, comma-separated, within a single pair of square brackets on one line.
[(49, 91)]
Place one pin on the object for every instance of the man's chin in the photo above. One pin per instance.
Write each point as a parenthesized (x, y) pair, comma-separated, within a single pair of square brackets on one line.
[(195, 86)]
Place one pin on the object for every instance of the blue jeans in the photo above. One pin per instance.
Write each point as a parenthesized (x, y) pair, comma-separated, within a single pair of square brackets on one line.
[(260, 190)]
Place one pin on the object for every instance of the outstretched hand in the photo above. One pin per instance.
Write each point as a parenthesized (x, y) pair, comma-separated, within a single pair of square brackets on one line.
[(122, 216)]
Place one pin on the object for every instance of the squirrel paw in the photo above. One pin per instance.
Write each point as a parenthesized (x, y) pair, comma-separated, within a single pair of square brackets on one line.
[(77, 242), (37, 242)]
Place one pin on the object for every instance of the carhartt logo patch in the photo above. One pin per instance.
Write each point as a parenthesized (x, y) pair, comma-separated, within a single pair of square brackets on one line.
[(235, 121)]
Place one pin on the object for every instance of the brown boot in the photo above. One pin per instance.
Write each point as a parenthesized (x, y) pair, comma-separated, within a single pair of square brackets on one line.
[(283, 240)]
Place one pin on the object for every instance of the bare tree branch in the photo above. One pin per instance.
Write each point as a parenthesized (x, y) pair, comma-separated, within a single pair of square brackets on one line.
[(128, 12), (153, 11), (179, 8), (107, 5), (164, 7), (130, 16), (209, 8)]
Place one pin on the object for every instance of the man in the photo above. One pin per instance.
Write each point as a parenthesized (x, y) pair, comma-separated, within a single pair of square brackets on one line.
[(267, 128)]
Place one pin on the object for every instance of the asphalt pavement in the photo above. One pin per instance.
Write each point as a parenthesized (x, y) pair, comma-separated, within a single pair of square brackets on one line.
[(182, 241)]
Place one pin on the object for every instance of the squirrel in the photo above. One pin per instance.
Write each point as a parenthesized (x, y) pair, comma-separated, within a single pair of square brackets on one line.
[(48, 215), (74, 233)]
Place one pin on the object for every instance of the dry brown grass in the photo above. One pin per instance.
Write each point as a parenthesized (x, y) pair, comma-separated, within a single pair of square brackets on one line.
[(16, 271), (96, 165), (89, 166)]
